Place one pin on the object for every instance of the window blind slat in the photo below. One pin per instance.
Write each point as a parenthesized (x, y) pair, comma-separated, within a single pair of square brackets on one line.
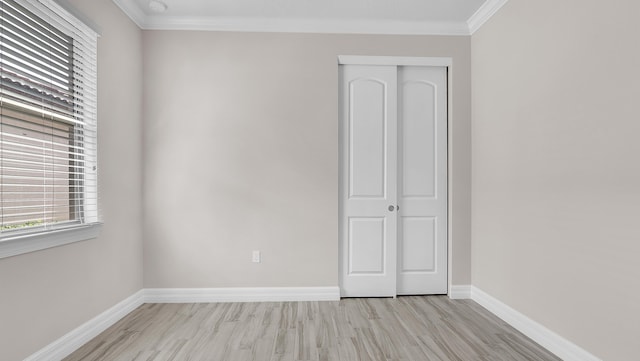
[(14, 72), (24, 55), (16, 36), (59, 67), (44, 29), (11, 27), (48, 114)]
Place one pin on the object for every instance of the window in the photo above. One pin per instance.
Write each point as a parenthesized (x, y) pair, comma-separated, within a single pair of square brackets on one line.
[(48, 130)]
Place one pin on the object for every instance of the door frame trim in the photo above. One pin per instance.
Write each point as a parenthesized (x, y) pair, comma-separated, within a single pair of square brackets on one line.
[(446, 62), (394, 60)]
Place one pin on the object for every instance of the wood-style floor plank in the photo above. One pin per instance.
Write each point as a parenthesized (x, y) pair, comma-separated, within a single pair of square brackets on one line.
[(413, 328)]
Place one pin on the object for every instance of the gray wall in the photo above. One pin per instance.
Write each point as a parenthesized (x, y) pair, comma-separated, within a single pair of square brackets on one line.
[(240, 151), (46, 294), (556, 170), (241, 154)]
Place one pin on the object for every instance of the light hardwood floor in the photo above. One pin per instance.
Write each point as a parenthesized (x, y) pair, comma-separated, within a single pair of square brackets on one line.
[(411, 328)]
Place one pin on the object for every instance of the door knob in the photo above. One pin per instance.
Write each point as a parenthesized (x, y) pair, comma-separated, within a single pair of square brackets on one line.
[(391, 208)]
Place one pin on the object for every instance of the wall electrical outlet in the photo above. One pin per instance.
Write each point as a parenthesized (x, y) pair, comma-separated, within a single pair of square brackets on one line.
[(255, 257)]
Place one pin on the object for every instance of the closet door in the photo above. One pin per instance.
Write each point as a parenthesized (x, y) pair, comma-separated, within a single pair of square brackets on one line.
[(422, 174), (393, 180), (368, 222)]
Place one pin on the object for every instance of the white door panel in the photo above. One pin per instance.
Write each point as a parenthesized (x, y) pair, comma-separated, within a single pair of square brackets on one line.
[(367, 129), (418, 136), (393, 152), (418, 240), (367, 243), (369, 153), (422, 237)]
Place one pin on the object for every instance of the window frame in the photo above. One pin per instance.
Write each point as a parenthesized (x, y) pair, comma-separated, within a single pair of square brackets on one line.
[(13, 243)]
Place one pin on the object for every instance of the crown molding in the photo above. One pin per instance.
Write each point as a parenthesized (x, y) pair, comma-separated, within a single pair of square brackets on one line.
[(483, 14), (305, 26), (133, 12), (335, 26)]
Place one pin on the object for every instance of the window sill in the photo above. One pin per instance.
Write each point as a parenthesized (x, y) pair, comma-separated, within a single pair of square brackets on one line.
[(31, 242)]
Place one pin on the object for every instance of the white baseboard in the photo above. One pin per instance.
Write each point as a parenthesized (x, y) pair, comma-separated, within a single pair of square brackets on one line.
[(460, 292), (548, 339), (73, 340), (70, 342), (238, 294)]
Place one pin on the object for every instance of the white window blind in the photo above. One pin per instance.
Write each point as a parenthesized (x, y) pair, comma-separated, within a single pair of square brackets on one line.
[(48, 125)]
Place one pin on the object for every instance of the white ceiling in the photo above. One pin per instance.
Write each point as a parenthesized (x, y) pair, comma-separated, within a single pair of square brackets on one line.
[(450, 17)]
